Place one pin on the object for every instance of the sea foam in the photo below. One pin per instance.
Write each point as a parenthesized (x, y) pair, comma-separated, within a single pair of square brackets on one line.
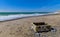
[(11, 17)]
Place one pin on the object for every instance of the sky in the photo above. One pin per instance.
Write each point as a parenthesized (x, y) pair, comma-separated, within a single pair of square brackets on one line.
[(29, 5)]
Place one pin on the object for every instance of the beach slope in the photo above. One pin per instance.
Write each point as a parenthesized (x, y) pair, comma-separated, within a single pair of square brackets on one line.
[(22, 27)]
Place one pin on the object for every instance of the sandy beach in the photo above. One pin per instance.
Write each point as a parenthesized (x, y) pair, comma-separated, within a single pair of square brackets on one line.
[(22, 27)]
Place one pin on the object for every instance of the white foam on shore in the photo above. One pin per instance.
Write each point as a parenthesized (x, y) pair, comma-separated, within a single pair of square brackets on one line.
[(11, 17)]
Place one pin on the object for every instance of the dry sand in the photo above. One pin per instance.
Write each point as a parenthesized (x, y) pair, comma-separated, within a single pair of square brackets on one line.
[(22, 27)]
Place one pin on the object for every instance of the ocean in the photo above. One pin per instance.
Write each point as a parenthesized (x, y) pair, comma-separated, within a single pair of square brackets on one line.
[(4, 16), (14, 13)]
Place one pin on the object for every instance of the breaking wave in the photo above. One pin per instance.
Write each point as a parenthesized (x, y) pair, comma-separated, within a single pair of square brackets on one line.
[(16, 16)]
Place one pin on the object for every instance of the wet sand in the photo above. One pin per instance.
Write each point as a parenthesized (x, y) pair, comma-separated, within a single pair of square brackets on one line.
[(22, 27)]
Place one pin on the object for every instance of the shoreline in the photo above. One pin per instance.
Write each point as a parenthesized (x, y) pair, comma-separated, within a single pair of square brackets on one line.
[(31, 17)]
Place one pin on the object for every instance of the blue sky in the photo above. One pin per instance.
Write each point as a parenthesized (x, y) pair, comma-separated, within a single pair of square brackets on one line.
[(29, 5)]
